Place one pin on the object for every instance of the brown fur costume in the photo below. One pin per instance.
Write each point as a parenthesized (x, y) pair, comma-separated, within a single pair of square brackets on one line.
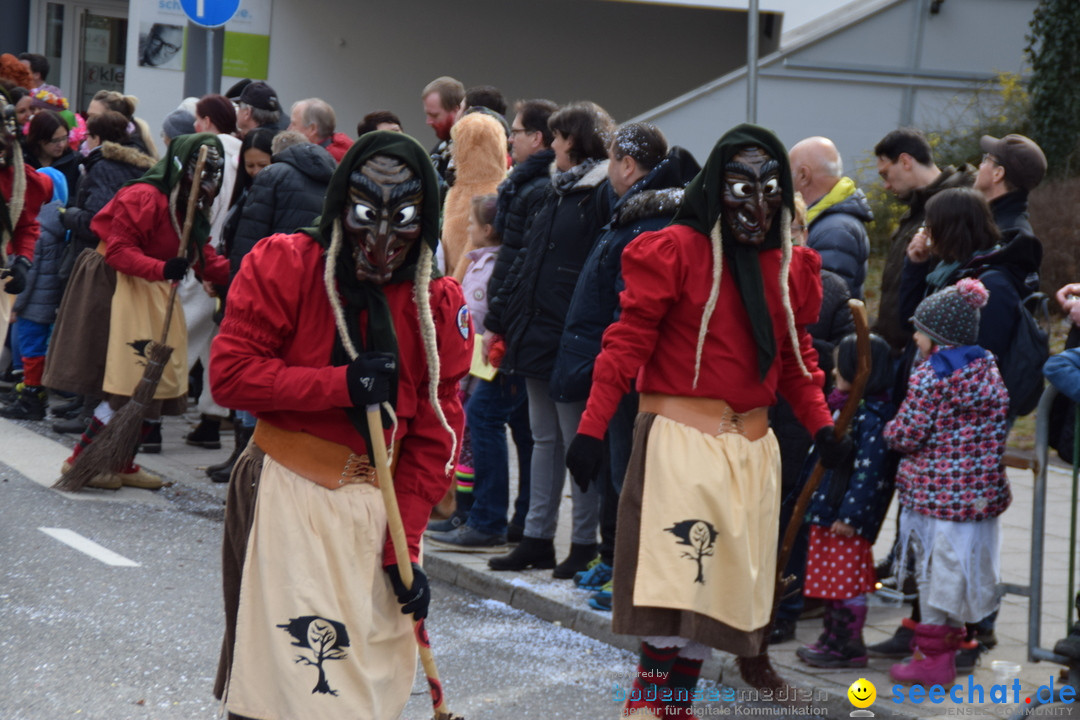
[(479, 151)]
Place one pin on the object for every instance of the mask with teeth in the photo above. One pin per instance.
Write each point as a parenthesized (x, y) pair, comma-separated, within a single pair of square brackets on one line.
[(751, 195), (209, 184), (382, 216)]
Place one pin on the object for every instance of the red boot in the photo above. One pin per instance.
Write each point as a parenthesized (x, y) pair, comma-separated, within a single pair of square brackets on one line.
[(933, 661)]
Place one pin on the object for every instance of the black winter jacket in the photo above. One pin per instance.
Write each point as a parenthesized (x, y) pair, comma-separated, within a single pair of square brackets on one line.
[(541, 282), (68, 163), (284, 197), (105, 170), (839, 236), (649, 204), (1011, 212), (44, 288), (520, 198)]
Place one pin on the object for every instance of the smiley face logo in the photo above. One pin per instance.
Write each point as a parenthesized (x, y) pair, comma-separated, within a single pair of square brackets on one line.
[(862, 693)]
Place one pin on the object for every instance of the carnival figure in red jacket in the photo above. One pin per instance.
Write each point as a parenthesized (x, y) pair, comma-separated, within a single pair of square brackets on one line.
[(321, 324), (713, 325)]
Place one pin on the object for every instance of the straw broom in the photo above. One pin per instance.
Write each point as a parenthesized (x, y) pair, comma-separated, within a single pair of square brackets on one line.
[(401, 556), (758, 670), (112, 448)]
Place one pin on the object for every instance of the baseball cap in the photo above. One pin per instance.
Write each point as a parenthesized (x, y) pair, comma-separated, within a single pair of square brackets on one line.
[(1023, 160), (260, 95)]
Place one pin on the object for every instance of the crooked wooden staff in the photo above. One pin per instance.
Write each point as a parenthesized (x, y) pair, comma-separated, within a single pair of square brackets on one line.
[(401, 556), (112, 447), (758, 670)]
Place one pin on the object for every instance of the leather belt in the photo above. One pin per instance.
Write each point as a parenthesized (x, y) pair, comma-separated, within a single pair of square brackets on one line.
[(321, 461), (711, 416)]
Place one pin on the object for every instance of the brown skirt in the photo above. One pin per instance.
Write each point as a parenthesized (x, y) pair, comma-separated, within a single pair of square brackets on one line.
[(75, 361), (629, 619)]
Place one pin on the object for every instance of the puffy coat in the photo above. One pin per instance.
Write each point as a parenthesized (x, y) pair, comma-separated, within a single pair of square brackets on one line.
[(541, 282), (951, 429), (284, 197), (337, 145), (838, 233), (105, 171), (44, 288), (68, 163), (649, 204), (520, 197)]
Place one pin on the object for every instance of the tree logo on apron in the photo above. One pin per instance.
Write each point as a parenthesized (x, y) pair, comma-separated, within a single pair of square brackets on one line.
[(700, 536), (326, 640)]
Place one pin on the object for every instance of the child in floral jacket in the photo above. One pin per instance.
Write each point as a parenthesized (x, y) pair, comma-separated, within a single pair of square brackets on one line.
[(951, 482)]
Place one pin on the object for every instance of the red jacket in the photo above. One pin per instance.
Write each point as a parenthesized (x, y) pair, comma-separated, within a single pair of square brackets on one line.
[(272, 357), (668, 277), (337, 145), (26, 227), (139, 237)]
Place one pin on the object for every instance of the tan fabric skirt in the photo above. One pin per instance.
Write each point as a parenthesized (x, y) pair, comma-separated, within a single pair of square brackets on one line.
[(319, 632), (75, 361), (5, 312), (695, 552), (137, 318)]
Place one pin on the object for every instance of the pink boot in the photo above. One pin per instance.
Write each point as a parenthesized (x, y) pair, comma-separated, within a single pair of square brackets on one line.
[(933, 659)]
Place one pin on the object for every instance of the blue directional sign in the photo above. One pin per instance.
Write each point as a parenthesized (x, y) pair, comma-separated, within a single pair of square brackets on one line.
[(210, 13)]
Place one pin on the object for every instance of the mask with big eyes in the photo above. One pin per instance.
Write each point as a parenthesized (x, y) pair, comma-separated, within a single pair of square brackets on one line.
[(209, 184), (752, 194), (382, 216), (8, 131)]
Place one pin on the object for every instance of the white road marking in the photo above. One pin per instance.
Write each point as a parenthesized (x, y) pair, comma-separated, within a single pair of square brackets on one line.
[(91, 548)]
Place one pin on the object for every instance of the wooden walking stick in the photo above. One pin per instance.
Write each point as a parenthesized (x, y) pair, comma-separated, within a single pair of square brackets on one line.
[(113, 445), (758, 670), (401, 555)]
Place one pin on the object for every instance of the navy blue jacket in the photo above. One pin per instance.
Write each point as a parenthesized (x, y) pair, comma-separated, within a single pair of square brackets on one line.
[(858, 492), (649, 204), (839, 236)]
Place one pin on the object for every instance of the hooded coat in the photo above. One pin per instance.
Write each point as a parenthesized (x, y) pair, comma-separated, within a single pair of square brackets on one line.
[(479, 152), (649, 204), (105, 171), (44, 288), (283, 198)]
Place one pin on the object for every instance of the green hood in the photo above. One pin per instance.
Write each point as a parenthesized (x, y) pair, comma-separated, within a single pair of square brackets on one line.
[(703, 203), (165, 175)]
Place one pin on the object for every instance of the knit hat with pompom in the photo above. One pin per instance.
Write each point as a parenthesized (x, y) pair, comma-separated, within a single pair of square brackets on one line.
[(951, 316)]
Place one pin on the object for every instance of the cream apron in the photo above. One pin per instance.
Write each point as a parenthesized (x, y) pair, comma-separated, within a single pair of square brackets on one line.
[(138, 313), (319, 633), (708, 534), (5, 311)]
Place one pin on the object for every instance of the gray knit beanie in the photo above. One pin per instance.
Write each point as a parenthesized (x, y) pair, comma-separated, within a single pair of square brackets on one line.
[(178, 122), (951, 316)]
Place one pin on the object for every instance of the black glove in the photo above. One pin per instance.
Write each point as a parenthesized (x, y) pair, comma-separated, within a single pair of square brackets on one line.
[(585, 459), (175, 268), (368, 377), (416, 599), (16, 273), (831, 450)]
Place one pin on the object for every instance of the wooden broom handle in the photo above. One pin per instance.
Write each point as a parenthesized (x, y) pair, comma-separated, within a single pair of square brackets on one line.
[(185, 235)]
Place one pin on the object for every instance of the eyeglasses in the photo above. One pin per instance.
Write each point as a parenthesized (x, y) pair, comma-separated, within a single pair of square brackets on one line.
[(57, 140), (987, 157)]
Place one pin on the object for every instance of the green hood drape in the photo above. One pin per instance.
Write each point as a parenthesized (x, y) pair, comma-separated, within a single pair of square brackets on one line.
[(365, 296), (166, 174), (702, 206)]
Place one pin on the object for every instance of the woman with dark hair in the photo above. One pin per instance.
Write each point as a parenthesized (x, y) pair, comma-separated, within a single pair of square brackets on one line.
[(536, 296), (959, 232), (46, 145)]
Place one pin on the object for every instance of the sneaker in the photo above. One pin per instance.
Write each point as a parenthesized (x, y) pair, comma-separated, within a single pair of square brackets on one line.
[(140, 479), (581, 574), (151, 443), (30, 404), (601, 600), (444, 526), (598, 575), (467, 539), (897, 647)]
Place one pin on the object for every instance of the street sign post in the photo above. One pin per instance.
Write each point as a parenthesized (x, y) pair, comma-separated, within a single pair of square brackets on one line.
[(210, 13)]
